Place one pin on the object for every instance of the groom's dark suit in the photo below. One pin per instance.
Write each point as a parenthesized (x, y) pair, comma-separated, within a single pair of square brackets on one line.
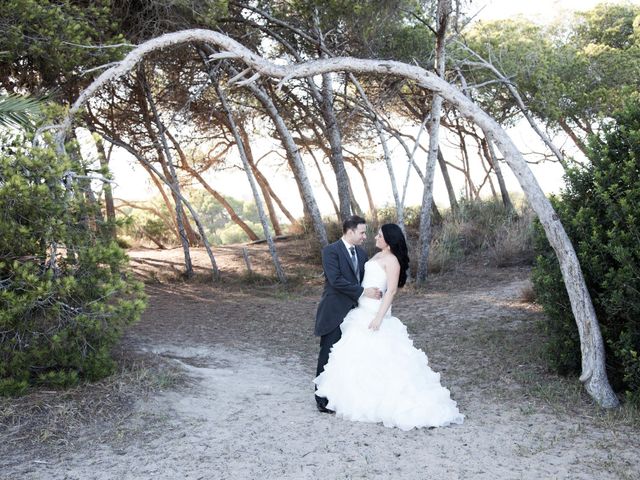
[(341, 292)]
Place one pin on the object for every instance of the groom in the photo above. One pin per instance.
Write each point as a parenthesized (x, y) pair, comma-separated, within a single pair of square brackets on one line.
[(343, 264)]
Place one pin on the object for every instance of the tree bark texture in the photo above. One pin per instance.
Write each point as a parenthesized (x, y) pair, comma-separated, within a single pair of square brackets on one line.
[(335, 141), (424, 243)]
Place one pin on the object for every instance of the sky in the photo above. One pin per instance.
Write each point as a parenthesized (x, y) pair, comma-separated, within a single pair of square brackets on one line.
[(543, 11), (130, 186)]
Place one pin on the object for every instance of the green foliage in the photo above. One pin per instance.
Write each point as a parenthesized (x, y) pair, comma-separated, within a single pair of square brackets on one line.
[(570, 74), (18, 111), (385, 29), (145, 19), (232, 233), (217, 223), (58, 318), (599, 211), (44, 43), (389, 214)]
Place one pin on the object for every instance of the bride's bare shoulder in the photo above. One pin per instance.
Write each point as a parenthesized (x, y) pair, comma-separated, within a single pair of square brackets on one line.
[(389, 260)]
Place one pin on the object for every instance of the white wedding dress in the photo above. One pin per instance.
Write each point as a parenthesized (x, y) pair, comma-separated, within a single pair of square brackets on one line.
[(379, 376)]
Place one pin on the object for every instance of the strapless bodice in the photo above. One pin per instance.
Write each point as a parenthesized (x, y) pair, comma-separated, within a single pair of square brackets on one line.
[(374, 276)]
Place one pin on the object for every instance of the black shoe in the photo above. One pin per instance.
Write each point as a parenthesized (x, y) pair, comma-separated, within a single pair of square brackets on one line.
[(324, 409)]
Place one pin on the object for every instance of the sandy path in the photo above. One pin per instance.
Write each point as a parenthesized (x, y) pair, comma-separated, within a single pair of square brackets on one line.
[(248, 411)]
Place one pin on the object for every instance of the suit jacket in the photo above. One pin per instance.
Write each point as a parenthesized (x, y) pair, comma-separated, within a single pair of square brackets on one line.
[(341, 286)]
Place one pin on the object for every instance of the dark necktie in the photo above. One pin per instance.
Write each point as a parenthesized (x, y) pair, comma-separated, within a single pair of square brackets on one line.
[(354, 260)]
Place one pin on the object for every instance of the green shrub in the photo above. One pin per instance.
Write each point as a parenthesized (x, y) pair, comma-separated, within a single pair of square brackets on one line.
[(599, 209), (58, 319)]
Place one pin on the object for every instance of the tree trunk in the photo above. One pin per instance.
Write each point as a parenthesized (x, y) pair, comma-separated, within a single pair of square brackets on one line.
[(262, 182), (492, 157), (165, 197), (470, 189), (182, 223), (359, 166), (569, 131), (295, 162), (387, 157), (177, 192), (110, 209), (324, 184), (356, 209), (486, 166), (174, 178), (392, 179), (593, 375), (256, 195), (335, 141), (453, 201), (227, 206), (443, 11)]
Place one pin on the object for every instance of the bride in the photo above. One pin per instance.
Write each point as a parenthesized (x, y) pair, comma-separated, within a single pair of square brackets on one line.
[(374, 373)]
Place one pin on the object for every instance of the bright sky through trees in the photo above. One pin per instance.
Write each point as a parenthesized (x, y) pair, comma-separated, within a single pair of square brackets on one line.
[(132, 182), (543, 11)]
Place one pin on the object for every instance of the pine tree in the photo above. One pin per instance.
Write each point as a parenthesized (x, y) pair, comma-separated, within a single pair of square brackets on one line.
[(65, 293)]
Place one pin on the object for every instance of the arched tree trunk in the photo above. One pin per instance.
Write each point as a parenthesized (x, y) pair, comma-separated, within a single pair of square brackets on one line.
[(593, 356)]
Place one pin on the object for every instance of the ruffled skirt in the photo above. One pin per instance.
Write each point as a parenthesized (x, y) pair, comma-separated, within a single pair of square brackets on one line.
[(379, 376)]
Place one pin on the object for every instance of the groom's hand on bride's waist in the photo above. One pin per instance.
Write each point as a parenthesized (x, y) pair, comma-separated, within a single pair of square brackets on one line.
[(372, 292)]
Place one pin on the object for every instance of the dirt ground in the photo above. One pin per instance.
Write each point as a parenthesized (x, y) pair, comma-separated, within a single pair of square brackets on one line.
[(216, 383)]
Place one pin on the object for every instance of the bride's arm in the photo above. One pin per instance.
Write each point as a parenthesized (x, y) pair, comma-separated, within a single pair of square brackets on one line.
[(392, 267)]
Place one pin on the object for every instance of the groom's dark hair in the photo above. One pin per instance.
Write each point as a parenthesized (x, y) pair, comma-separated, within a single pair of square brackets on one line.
[(352, 223)]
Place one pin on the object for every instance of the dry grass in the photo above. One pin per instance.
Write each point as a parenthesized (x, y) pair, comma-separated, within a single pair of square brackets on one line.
[(527, 293), (483, 228), (53, 417)]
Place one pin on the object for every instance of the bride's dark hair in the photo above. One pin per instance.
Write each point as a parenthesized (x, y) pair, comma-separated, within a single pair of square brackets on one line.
[(395, 239)]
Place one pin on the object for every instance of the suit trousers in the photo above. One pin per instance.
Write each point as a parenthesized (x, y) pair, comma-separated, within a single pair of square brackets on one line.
[(326, 342)]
